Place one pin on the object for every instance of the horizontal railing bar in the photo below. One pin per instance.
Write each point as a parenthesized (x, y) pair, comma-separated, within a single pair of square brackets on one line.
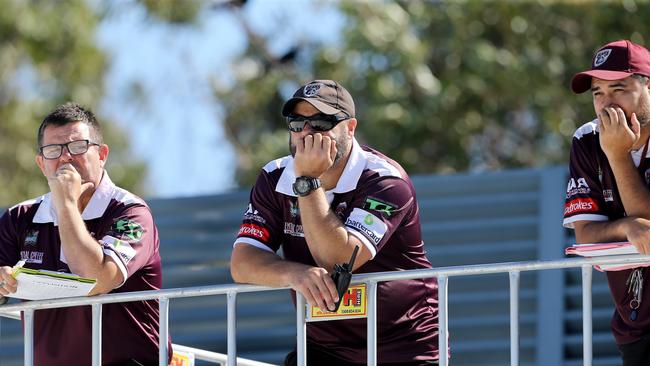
[(224, 289)]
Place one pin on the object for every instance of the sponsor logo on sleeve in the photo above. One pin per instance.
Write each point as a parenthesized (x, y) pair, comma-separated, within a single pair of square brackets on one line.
[(127, 230), (376, 205), (252, 214), (580, 205), (121, 247), (254, 231), (577, 186), (367, 224)]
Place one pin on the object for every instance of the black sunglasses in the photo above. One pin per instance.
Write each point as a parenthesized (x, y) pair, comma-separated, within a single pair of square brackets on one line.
[(318, 122)]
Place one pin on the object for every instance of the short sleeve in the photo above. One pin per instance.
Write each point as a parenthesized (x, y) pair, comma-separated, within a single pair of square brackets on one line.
[(9, 243), (584, 194), (380, 206), (262, 221), (131, 240)]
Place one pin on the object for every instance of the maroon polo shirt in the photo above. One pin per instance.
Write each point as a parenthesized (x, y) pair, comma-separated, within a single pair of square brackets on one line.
[(375, 200), (122, 224), (592, 195)]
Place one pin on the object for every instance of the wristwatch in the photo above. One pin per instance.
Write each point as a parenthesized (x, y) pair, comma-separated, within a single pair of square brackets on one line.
[(303, 186)]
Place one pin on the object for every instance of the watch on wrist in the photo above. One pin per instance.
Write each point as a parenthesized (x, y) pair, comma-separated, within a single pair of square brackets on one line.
[(303, 186)]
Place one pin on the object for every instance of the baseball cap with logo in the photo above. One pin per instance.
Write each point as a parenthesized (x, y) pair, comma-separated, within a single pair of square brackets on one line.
[(327, 96), (614, 61)]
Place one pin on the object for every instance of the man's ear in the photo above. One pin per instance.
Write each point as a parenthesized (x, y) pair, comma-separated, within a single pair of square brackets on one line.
[(351, 126), (103, 154), (40, 163)]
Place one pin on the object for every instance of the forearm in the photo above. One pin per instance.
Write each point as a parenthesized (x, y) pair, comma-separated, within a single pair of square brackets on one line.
[(631, 187), (602, 231), (255, 266), (84, 255), (326, 236)]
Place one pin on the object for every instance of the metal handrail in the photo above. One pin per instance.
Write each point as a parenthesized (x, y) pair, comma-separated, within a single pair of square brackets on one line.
[(371, 279)]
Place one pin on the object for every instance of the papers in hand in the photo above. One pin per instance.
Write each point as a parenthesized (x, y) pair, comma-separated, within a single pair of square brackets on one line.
[(597, 250), (40, 284)]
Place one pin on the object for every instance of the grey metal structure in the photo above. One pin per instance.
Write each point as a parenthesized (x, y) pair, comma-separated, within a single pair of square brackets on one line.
[(466, 219)]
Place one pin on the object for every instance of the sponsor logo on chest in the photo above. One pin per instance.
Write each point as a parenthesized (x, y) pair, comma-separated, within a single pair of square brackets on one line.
[(31, 256), (31, 238), (293, 229)]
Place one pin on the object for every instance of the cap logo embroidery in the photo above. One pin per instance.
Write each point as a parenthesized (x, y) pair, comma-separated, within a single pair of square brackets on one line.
[(311, 89), (601, 57)]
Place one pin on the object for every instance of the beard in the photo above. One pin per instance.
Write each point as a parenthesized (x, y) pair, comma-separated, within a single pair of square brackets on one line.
[(343, 144), (643, 112)]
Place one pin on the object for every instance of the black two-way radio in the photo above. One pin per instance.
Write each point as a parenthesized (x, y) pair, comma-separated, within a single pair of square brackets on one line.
[(342, 276)]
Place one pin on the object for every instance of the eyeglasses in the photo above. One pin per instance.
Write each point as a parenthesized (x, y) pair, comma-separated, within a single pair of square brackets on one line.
[(76, 147), (318, 122)]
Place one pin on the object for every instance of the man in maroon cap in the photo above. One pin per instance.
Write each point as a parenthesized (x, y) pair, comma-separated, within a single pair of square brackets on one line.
[(319, 203), (608, 195)]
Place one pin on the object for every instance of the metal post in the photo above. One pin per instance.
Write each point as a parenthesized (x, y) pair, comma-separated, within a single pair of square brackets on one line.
[(97, 334), (232, 328), (301, 330), (29, 337), (163, 332), (442, 316), (372, 323), (587, 333), (514, 318)]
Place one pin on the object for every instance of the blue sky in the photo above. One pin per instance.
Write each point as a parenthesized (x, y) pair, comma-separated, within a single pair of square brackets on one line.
[(173, 120)]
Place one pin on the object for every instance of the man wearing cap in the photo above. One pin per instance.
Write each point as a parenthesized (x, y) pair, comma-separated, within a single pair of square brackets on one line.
[(319, 203), (608, 195)]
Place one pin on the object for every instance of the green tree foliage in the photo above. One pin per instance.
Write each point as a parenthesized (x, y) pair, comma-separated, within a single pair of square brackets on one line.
[(48, 56), (439, 86)]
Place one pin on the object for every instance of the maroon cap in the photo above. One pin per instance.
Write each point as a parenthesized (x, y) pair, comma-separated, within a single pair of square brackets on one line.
[(327, 96), (614, 61)]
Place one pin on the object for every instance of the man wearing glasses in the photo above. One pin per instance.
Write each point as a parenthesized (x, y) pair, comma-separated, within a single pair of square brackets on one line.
[(328, 197), (87, 226)]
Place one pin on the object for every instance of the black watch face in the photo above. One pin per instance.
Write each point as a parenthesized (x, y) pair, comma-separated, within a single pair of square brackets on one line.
[(302, 186)]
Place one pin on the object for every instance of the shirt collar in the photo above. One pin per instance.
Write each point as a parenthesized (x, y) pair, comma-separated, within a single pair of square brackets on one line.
[(347, 182), (95, 208)]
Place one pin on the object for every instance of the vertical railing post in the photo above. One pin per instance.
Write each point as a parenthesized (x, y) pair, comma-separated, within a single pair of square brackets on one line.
[(587, 333), (301, 331), (232, 328), (372, 324), (551, 241), (442, 316), (97, 335), (163, 332), (514, 318), (28, 316)]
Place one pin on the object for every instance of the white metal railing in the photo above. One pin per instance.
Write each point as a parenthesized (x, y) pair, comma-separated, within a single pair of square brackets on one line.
[(370, 279)]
